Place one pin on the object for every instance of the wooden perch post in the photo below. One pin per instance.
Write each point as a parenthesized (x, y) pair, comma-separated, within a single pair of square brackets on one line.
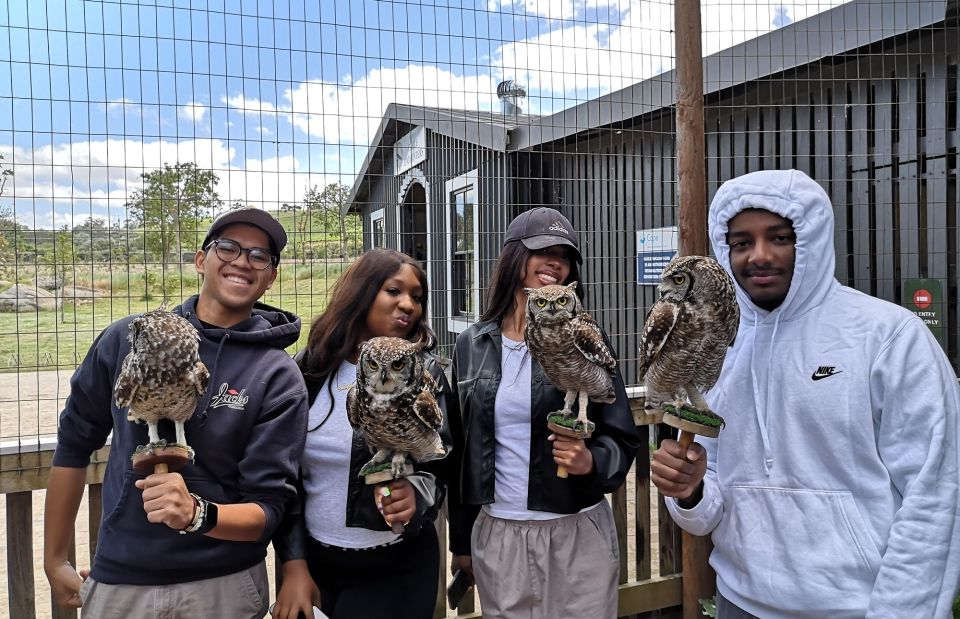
[(699, 580)]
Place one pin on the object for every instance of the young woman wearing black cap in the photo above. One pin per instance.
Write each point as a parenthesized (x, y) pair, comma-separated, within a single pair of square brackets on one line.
[(538, 545)]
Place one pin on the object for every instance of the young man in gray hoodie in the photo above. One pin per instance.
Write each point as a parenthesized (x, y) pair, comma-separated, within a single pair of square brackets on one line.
[(153, 557), (833, 489)]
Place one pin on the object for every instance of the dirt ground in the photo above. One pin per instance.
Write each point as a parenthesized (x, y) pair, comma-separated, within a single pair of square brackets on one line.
[(31, 401)]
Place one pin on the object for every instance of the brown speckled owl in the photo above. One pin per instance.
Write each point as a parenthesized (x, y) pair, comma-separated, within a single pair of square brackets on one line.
[(687, 331), (162, 376), (567, 342), (393, 405)]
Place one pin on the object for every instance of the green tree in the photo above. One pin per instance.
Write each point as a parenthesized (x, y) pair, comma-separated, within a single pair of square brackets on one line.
[(10, 230), (91, 240), (326, 208), (122, 242), (61, 258), (170, 204)]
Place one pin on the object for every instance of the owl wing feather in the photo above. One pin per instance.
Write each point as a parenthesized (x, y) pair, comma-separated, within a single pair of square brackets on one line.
[(353, 407), (429, 383), (427, 410), (588, 339), (200, 377), (661, 320), (126, 387)]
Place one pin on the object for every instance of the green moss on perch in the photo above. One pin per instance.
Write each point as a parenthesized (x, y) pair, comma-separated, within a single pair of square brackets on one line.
[(561, 420), (695, 415), (376, 468)]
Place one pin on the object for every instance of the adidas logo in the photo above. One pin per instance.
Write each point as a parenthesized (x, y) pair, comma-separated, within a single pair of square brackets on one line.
[(825, 371), (558, 227)]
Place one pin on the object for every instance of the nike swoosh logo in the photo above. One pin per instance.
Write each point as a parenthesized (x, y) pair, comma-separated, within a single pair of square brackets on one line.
[(818, 375)]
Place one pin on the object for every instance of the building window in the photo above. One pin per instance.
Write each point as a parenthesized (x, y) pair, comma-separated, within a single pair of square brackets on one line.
[(463, 285), (463, 253), (378, 233)]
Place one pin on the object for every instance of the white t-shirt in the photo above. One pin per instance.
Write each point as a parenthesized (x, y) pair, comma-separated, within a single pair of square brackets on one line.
[(511, 422), (326, 468)]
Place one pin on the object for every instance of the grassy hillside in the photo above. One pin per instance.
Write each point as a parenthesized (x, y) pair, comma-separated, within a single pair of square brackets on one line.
[(60, 338)]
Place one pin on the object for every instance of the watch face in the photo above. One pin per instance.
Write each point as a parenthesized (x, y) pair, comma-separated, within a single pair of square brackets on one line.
[(209, 517)]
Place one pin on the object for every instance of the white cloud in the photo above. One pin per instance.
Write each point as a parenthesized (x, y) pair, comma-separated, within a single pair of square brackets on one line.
[(574, 60), (123, 104), (193, 111), (577, 61), (251, 106), (549, 9), (350, 113), (66, 183), (263, 131)]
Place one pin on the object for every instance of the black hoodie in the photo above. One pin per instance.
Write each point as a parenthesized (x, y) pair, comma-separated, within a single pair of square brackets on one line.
[(247, 432)]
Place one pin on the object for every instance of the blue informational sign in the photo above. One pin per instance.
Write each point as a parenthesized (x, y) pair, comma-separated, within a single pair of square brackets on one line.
[(656, 247)]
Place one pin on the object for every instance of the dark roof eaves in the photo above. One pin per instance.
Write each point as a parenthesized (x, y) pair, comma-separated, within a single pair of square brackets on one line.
[(807, 39), (465, 125)]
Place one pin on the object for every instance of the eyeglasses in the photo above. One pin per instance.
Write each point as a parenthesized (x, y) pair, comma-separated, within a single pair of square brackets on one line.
[(229, 250)]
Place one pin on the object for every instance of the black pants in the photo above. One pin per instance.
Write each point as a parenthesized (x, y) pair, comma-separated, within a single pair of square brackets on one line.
[(391, 582), (728, 610)]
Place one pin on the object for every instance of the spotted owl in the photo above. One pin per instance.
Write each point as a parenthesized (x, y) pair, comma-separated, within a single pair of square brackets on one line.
[(393, 406), (568, 343), (687, 331), (162, 376)]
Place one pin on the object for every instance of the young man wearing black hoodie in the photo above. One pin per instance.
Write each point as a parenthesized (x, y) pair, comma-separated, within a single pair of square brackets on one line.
[(153, 558)]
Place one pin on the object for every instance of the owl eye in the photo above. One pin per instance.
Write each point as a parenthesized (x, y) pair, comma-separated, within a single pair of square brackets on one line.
[(541, 302), (373, 365), (679, 279), (562, 301), (397, 365)]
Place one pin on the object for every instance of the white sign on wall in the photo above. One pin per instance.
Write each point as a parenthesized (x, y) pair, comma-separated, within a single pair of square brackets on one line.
[(410, 150), (656, 247)]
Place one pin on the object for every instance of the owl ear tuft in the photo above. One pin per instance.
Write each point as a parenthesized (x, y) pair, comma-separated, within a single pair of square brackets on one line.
[(527, 291), (572, 285)]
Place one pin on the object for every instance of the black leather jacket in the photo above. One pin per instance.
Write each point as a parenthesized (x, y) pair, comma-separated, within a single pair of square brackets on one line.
[(476, 376), (361, 511)]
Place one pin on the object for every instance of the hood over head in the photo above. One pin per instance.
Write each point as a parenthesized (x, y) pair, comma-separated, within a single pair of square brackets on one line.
[(797, 197)]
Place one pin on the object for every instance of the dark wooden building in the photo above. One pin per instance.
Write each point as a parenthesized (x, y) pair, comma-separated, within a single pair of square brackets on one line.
[(864, 98)]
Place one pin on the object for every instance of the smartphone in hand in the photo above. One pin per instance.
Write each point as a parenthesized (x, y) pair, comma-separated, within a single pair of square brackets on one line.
[(458, 587)]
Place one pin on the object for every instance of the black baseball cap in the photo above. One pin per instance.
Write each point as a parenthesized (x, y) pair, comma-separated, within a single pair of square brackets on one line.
[(252, 216), (543, 227)]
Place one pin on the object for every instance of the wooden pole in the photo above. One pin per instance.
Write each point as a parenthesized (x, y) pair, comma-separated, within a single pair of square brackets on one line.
[(690, 151), (699, 580)]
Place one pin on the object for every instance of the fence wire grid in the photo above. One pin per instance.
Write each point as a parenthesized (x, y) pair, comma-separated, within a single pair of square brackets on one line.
[(125, 127)]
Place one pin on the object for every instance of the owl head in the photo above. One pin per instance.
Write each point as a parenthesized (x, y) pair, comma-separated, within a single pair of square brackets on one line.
[(692, 277), (552, 304), (389, 365)]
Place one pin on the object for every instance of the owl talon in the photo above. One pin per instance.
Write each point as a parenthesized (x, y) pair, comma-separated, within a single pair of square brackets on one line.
[(566, 413), (584, 427), (398, 465)]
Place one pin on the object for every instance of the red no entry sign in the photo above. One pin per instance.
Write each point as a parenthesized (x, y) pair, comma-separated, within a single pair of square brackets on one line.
[(922, 298)]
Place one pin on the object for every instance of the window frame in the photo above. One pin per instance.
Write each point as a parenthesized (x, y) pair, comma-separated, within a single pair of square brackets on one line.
[(461, 184), (378, 215)]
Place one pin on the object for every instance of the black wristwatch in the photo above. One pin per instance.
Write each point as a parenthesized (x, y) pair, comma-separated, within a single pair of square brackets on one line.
[(204, 516)]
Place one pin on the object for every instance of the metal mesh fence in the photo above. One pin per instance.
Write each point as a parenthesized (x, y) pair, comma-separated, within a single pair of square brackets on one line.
[(426, 127), (125, 126)]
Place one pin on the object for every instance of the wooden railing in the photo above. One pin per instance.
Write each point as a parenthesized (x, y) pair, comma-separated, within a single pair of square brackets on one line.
[(656, 572)]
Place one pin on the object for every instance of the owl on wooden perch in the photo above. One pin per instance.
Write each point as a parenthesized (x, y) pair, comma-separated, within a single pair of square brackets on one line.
[(162, 376)]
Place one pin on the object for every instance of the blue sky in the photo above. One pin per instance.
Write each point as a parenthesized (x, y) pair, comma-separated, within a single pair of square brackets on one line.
[(278, 96)]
